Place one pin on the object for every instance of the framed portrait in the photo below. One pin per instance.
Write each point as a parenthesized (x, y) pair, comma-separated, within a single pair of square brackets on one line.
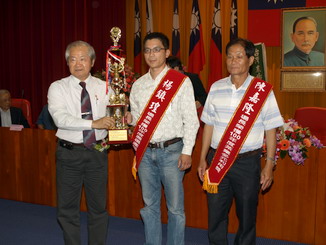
[(303, 59)]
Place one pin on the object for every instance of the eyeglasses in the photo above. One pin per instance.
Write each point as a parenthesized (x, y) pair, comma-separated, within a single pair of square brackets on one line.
[(154, 50)]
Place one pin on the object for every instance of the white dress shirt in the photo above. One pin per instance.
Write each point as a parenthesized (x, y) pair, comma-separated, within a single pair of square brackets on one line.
[(180, 118), (5, 118), (64, 99)]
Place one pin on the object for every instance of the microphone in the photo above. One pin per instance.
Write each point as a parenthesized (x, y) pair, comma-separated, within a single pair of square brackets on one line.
[(20, 106)]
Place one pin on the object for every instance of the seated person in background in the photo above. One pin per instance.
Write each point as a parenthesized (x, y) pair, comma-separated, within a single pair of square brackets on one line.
[(199, 91), (10, 115), (304, 37), (45, 121)]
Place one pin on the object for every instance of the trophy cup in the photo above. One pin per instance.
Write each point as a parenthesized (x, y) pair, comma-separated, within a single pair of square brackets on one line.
[(118, 134)]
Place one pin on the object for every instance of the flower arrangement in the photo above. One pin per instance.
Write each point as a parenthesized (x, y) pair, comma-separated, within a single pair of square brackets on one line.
[(130, 78), (294, 141), (102, 146)]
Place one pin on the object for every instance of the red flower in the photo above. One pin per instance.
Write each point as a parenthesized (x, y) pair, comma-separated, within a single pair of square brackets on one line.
[(285, 144)]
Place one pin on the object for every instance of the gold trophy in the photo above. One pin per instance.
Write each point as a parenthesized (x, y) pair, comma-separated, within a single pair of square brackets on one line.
[(117, 108)]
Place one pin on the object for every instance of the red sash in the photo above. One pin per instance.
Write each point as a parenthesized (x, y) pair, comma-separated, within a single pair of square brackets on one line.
[(236, 133), (153, 113)]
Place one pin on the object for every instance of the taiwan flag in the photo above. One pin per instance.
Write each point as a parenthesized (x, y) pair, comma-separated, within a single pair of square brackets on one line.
[(234, 20), (264, 18), (149, 17), (137, 40), (175, 31), (215, 59), (196, 47)]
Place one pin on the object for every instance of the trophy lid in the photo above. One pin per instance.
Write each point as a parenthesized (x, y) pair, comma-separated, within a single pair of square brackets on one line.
[(115, 35)]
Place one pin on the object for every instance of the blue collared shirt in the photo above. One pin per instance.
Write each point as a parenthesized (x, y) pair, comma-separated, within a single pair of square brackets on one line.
[(222, 101)]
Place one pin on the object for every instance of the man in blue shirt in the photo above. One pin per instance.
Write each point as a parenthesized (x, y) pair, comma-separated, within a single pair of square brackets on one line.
[(45, 121), (245, 177)]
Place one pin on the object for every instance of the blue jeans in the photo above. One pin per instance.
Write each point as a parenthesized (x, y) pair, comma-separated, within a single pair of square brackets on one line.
[(160, 166)]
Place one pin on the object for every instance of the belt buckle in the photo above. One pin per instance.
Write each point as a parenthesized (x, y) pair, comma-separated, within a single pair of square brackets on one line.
[(158, 145), (66, 145)]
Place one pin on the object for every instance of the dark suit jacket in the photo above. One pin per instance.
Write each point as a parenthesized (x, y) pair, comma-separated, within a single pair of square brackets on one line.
[(199, 90), (17, 117)]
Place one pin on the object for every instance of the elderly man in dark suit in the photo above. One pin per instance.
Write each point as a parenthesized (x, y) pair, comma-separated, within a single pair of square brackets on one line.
[(10, 115)]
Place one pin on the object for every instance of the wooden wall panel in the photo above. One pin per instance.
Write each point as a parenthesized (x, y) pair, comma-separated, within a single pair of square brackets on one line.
[(28, 165), (293, 209), (8, 164), (124, 192), (288, 209), (320, 230)]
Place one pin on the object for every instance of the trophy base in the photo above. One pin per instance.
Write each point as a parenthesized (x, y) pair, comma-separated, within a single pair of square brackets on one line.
[(118, 136)]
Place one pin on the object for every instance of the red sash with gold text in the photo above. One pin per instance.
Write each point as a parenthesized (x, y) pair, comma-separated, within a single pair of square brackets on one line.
[(153, 113), (236, 133)]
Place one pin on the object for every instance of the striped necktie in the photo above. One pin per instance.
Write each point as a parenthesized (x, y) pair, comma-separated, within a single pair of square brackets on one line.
[(86, 111)]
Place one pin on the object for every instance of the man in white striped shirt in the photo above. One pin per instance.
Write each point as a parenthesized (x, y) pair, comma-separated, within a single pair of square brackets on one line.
[(244, 178)]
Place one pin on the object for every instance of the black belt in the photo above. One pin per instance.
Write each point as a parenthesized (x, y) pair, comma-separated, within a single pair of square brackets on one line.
[(248, 153), (69, 145), (164, 144), (245, 154)]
